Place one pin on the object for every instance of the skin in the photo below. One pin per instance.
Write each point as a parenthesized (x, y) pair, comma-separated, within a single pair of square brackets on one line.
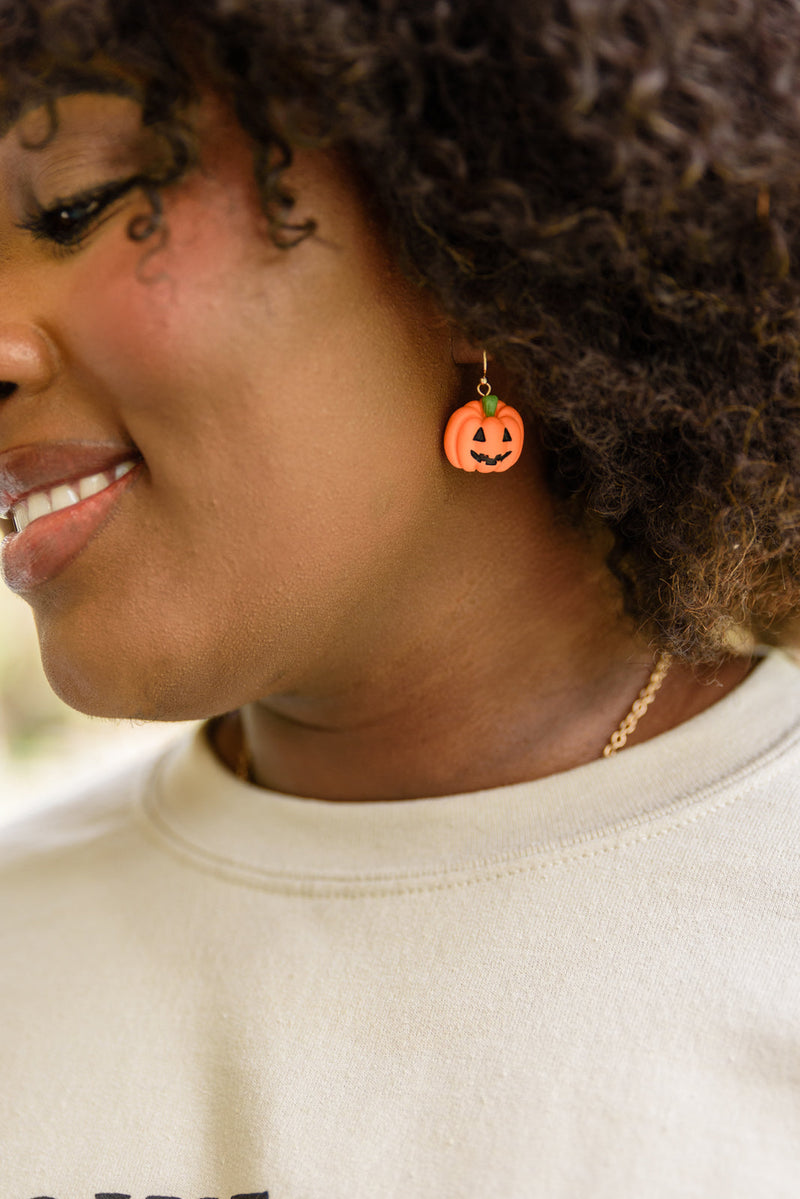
[(297, 551)]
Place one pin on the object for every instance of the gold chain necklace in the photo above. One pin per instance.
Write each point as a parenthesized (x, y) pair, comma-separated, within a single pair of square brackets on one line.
[(640, 705), (617, 741)]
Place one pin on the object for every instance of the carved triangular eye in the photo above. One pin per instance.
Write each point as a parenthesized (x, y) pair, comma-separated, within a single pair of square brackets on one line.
[(506, 435), (479, 436)]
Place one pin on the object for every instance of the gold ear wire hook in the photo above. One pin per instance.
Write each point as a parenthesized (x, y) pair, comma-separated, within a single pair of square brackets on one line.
[(484, 383)]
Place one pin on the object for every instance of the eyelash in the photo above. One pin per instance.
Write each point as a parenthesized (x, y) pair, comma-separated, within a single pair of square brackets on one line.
[(47, 224)]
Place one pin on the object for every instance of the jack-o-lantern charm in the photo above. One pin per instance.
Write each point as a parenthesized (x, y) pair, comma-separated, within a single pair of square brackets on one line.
[(484, 435)]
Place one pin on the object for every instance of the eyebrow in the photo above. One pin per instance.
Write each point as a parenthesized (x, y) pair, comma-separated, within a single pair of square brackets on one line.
[(67, 82)]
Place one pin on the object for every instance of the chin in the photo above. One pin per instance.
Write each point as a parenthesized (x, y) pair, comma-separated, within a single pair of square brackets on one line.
[(113, 686), (118, 662)]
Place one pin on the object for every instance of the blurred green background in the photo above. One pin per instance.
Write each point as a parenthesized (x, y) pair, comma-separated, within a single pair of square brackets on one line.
[(47, 751)]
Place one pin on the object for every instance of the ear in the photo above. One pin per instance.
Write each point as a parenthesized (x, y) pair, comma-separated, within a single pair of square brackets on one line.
[(464, 351)]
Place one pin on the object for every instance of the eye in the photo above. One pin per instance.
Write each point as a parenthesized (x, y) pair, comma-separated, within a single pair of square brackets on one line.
[(479, 436), (68, 222), (506, 435)]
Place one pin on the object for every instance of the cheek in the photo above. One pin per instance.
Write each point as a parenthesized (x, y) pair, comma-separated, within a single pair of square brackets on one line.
[(115, 339), (127, 322), (259, 447), (291, 387)]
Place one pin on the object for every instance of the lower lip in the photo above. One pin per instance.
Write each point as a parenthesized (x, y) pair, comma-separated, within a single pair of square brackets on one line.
[(50, 543)]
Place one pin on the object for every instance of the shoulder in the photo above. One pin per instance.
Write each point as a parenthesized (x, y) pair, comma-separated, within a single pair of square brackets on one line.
[(94, 823)]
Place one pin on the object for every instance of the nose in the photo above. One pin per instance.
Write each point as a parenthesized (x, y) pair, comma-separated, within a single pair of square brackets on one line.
[(28, 360)]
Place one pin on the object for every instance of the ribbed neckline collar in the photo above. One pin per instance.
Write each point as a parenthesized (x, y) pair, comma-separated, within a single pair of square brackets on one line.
[(217, 823)]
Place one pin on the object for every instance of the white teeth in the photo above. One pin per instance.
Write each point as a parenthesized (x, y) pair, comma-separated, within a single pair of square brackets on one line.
[(65, 495), (91, 485), (39, 505)]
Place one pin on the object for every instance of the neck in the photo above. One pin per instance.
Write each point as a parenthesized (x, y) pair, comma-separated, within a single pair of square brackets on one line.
[(399, 754), (502, 660)]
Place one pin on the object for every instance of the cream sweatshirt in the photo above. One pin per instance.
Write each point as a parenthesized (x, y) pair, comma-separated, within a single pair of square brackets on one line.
[(587, 985)]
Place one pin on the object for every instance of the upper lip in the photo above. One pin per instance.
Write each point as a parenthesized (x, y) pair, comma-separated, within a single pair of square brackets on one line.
[(42, 465)]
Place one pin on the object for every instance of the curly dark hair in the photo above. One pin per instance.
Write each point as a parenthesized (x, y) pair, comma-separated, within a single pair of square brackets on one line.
[(604, 193)]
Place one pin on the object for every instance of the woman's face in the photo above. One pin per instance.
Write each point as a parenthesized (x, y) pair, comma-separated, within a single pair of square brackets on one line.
[(285, 408)]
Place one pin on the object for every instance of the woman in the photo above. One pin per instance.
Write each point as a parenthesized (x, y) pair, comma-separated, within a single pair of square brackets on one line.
[(479, 876)]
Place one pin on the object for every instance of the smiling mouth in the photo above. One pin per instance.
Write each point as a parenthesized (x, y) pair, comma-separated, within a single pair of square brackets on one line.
[(64, 495), (489, 461), (55, 524)]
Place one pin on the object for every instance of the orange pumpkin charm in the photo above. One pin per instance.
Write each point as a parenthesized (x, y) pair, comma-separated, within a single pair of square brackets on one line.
[(484, 435)]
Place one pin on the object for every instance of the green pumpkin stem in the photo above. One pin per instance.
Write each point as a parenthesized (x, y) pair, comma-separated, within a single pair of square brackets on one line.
[(490, 405)]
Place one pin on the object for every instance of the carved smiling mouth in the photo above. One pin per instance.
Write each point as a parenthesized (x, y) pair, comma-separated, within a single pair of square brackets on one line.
[(489, 461)]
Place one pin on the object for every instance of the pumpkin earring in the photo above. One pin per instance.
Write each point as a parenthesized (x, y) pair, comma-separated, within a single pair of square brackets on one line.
[(484, 435)]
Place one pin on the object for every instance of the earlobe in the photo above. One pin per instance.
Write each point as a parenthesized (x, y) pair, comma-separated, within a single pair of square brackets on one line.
[(464, 352)]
